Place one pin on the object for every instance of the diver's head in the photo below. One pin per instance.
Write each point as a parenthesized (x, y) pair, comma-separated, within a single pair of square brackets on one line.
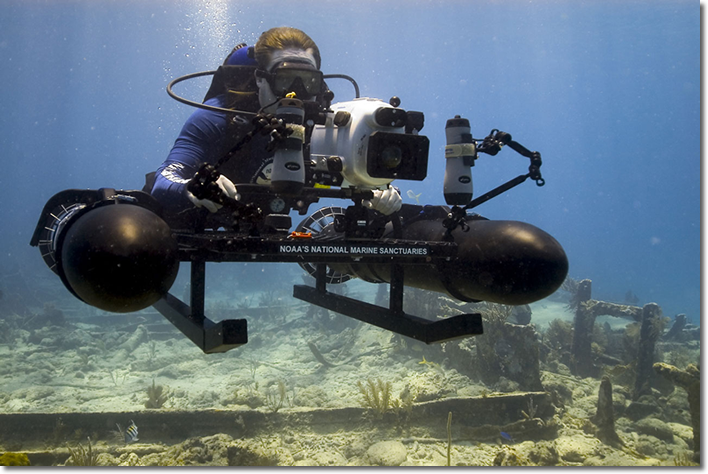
[(288, 61)]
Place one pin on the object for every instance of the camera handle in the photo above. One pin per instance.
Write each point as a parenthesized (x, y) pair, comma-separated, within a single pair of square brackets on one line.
[(203, 185), (491, 145)]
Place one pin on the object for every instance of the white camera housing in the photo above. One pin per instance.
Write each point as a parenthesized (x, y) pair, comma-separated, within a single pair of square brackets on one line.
[(346, 135)]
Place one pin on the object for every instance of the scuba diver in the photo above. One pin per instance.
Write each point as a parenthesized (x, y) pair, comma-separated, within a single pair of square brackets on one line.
[(268, 125), (251, 79)]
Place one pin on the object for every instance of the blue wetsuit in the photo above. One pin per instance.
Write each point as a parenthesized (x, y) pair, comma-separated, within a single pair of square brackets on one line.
[(207, 136)]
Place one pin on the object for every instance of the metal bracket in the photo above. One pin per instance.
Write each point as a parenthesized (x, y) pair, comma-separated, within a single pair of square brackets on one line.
[(224, 335), (209, 336), (392, 318)]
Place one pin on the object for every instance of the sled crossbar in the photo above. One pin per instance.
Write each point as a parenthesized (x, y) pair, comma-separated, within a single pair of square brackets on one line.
[(214, 337)]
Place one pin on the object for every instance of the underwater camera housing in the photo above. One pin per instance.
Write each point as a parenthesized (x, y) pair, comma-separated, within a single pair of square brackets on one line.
[(368, 143), (116, 249)]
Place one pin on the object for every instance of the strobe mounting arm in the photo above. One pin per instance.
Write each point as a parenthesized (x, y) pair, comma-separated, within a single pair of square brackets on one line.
[(491, 145), (494, 142)]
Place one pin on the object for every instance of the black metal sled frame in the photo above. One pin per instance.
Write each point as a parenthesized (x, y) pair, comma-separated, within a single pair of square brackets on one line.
[(209, 336), (392, 318), (214, 337)]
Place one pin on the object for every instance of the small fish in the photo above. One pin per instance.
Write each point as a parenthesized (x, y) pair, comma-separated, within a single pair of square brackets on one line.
[(131, 434), (506, 436), (413, 195)]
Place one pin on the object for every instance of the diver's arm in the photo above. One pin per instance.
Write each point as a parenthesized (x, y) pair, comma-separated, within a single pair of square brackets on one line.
[(201, 140)]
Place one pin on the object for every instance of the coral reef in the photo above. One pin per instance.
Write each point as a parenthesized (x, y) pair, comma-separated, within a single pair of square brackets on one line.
[(558, 339), (677, 328), (376, 395), (604, 418), (508, 456), (14, 459), (81, 456), (49, 316), (449, 436), (276, 400), (387, 453), (689, 380), (156, 397), (508, 351), (651, 329), (586, 311), (282, 401)]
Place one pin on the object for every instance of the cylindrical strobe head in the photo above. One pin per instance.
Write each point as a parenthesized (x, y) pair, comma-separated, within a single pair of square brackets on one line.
[(288, 176), (460, 153)]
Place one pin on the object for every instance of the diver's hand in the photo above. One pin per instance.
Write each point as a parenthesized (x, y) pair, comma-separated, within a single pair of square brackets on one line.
[(385, 201), (226, 186)]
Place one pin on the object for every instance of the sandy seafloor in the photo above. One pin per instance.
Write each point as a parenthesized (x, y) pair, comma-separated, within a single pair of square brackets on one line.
[(94, 365)]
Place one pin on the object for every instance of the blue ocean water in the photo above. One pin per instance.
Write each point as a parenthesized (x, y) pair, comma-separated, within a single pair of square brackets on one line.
[(608, 92)]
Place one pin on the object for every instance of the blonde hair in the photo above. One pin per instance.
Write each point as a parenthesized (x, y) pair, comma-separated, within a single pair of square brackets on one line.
[(280, 38)]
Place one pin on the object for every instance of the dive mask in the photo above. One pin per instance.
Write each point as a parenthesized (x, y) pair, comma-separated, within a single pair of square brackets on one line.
[(297, 77)]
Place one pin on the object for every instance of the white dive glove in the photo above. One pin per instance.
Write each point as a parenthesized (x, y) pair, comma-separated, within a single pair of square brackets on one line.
[(385, 201), (227, 187)]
